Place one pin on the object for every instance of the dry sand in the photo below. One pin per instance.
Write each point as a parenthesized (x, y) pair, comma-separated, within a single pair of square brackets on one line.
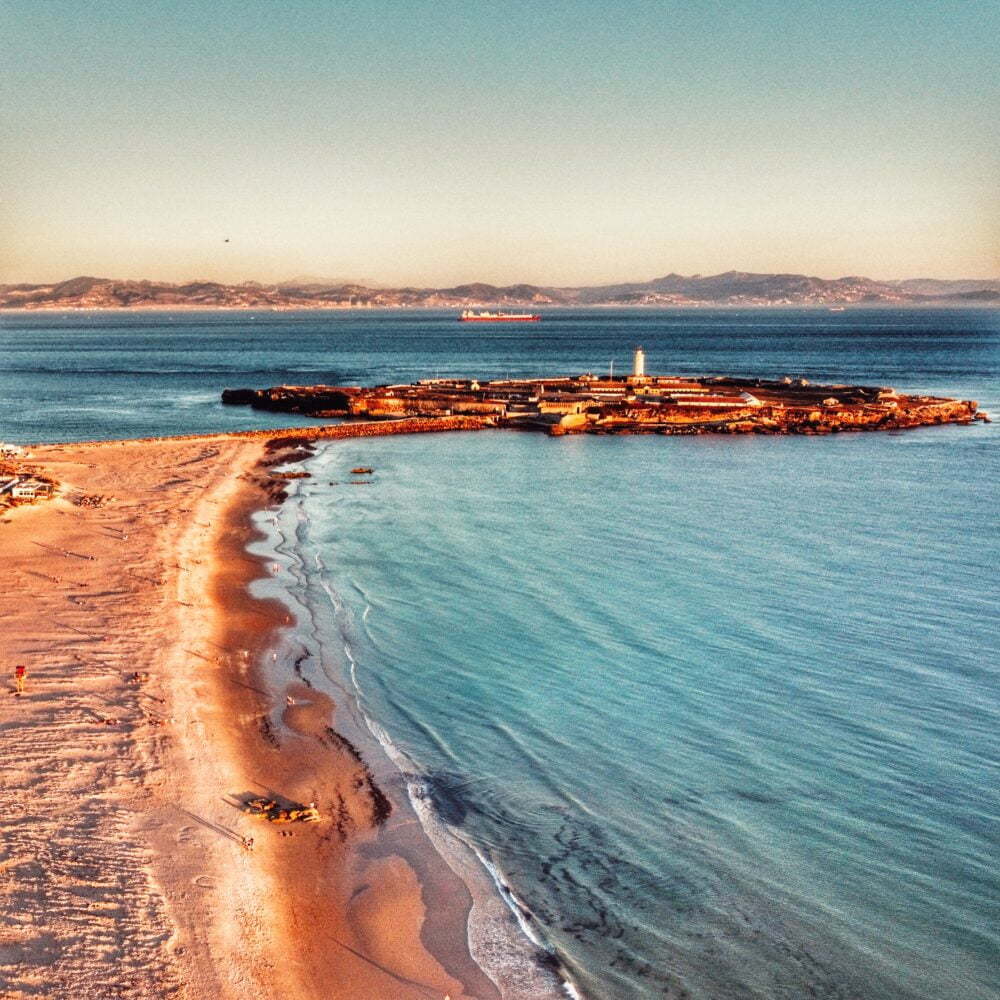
[(123, 869)]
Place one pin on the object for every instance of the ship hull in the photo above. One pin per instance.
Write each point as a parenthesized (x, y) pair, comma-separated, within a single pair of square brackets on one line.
[(499, 319)]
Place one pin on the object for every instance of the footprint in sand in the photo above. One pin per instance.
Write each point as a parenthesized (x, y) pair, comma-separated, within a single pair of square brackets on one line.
[(186, 835), (205, 881)]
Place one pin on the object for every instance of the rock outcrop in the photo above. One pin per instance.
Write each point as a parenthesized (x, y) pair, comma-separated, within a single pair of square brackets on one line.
[(631, 405)]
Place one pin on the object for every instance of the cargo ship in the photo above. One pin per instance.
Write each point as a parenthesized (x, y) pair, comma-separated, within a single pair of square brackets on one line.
[(468, 316)]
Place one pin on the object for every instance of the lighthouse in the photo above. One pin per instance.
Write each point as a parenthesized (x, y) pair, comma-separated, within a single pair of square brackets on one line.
[(639, 363)]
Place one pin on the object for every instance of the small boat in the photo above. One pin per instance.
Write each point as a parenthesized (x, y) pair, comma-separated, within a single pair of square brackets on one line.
[(362, 470)]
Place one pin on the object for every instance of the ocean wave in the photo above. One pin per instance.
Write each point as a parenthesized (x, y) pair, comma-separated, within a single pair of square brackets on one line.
[(498, 944), (502, 936)]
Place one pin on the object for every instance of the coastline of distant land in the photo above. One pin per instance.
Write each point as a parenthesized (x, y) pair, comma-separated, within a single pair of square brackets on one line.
[(732, 288)]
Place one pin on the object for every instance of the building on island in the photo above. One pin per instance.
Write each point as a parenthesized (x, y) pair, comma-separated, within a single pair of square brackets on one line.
[(639, 363), (635, 403)]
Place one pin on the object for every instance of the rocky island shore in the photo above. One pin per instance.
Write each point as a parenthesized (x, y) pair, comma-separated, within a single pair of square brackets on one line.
[(635, 404)]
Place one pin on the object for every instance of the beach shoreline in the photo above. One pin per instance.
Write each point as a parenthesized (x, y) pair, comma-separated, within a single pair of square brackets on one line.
[(466, 892), (148, 718)]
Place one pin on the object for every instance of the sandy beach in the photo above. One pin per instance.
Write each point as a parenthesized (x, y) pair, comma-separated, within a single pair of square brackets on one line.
[(128, 867)]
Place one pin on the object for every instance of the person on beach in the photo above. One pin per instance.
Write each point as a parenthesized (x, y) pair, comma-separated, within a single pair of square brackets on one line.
[(20, 672)]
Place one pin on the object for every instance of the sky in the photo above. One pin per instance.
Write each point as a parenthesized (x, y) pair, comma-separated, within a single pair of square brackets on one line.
[(439, 141)]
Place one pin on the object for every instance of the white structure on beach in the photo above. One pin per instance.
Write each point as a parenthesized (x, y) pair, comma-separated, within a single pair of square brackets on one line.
[(25, 488)]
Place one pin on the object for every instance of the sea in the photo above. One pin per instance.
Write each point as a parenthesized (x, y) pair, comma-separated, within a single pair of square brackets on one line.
[(718, 717)]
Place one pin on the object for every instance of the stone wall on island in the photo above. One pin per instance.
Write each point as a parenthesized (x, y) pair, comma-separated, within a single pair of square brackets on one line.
[(910, 412)]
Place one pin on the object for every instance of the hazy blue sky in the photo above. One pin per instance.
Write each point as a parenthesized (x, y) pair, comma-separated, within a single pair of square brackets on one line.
[(433, 142)]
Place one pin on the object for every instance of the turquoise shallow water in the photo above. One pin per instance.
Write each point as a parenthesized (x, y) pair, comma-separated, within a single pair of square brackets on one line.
[(722, 711)]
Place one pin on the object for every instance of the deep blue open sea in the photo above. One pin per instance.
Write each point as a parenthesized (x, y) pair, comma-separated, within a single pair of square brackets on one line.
[(723, 712)]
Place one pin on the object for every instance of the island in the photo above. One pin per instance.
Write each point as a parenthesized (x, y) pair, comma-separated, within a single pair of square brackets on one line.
[(634, 404)]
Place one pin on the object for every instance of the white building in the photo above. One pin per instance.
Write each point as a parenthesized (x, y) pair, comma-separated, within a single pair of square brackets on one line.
[(25, 488)]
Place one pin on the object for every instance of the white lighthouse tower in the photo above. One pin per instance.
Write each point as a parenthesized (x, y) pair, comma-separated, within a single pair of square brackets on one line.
[(639, 363)]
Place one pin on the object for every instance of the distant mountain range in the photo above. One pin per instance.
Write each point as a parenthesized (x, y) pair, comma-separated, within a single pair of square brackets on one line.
[(738, 288)]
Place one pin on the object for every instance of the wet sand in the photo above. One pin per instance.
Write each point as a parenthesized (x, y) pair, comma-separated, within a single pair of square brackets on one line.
[(124, 865)]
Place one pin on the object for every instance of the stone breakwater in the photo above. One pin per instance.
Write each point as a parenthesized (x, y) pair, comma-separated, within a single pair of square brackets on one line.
[(354, 429)]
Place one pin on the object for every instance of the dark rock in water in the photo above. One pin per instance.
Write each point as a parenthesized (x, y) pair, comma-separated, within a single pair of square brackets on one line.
[(549, 960), (239, 397), (446, 794), (313, 400)]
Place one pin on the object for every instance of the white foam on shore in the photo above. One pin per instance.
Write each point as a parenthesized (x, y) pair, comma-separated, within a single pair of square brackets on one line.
[(499, 934), (501, 939), (520, 911)]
